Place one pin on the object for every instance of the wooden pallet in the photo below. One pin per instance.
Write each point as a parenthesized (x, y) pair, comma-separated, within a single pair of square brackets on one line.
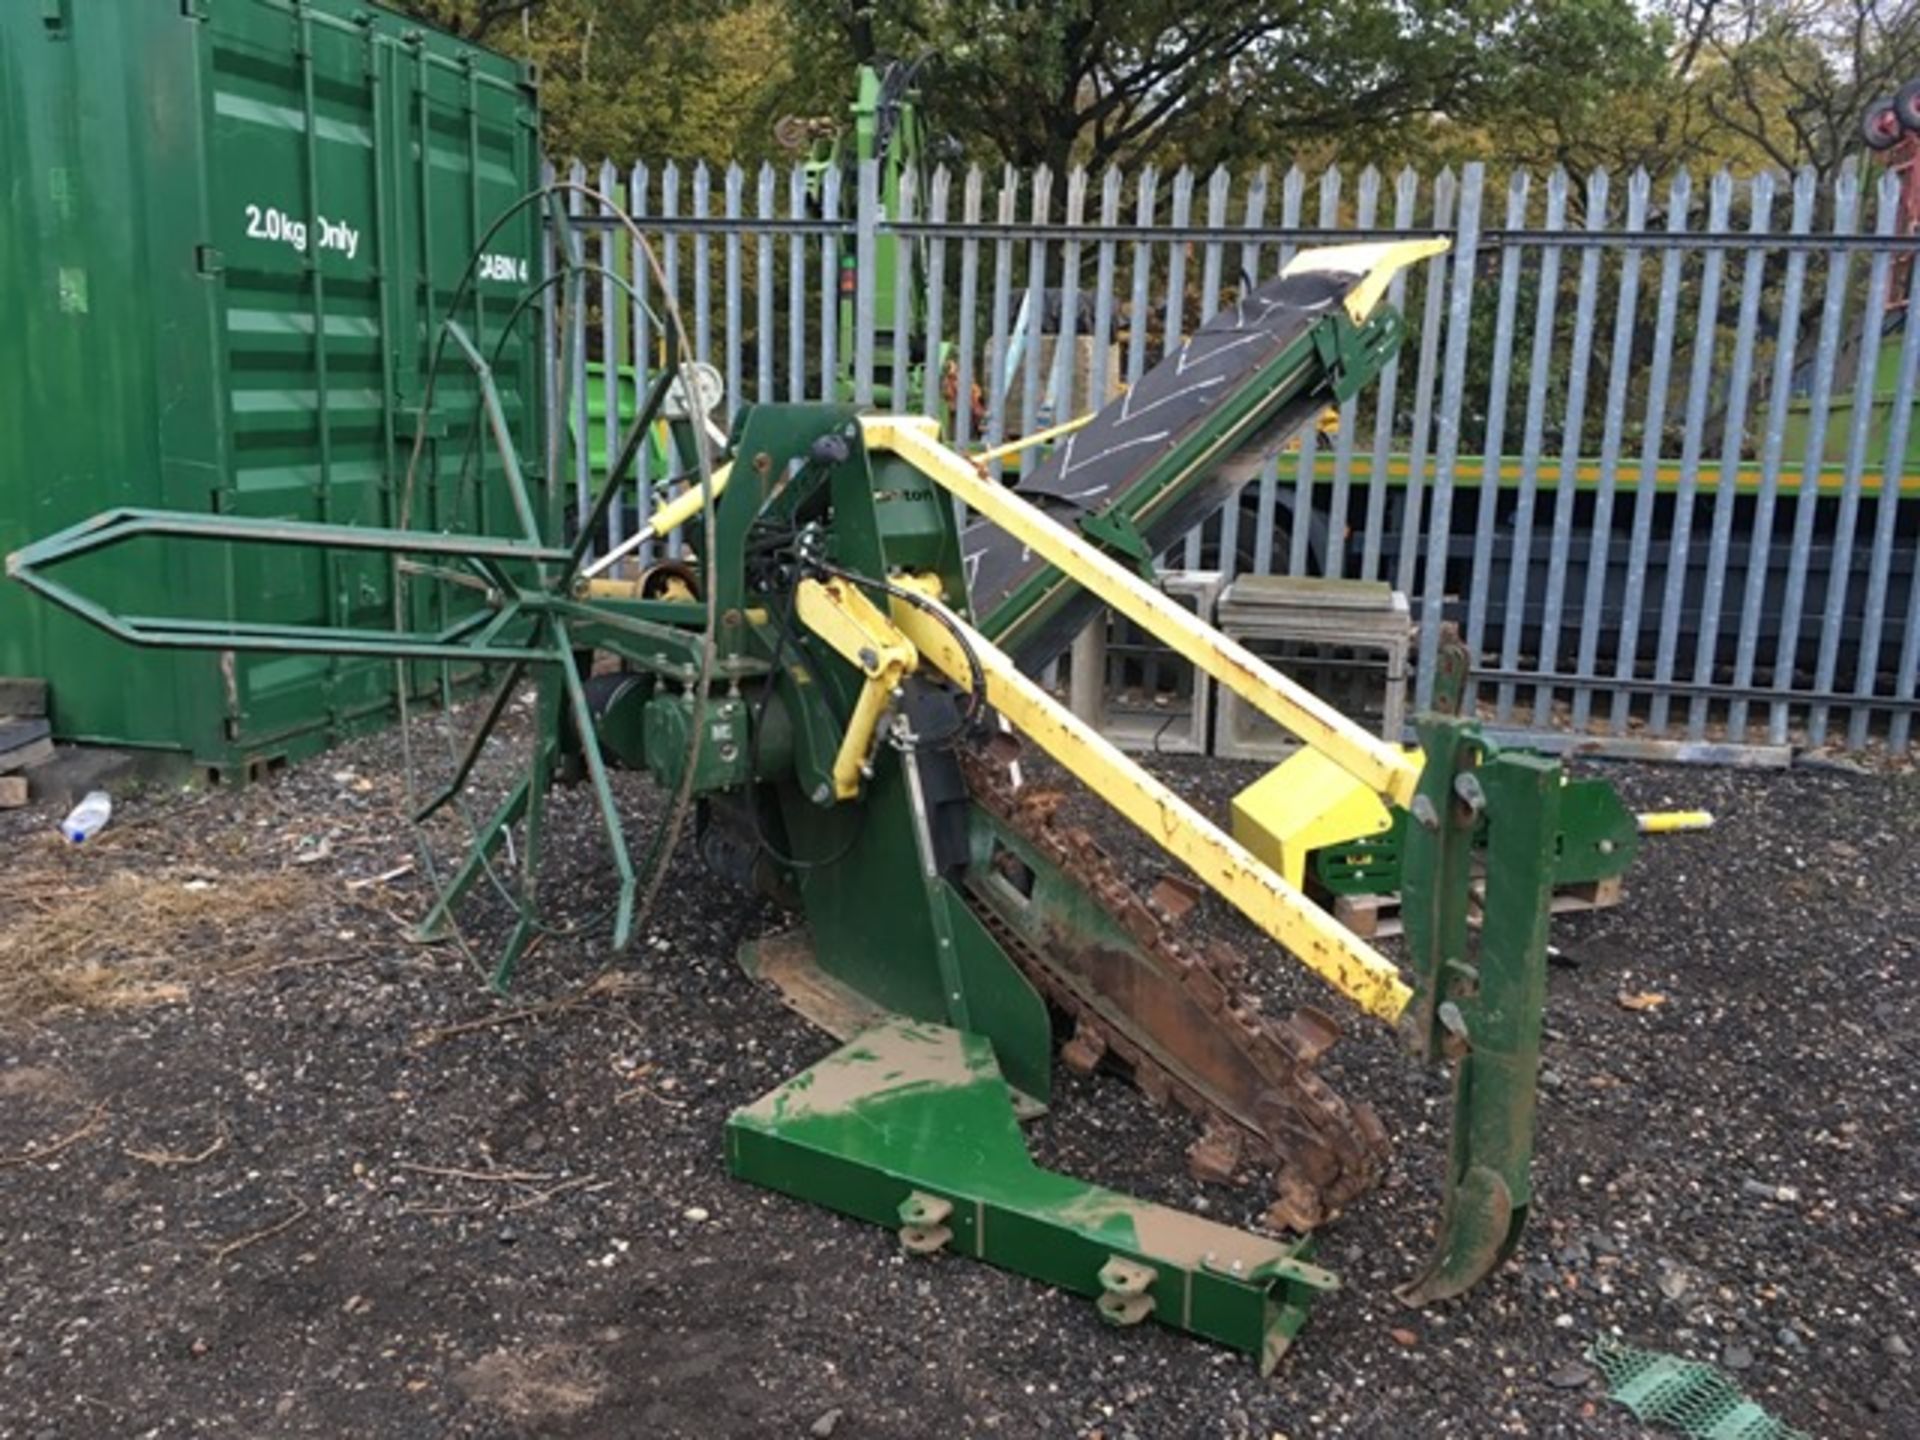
[(26, 739), (1377, 917)]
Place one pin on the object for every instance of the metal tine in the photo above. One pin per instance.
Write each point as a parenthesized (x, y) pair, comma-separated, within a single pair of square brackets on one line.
[(765, 284), (1466, 249), (1480, 585), (866, 246), (1653, 432), (1826, 359), (1732, 441), (630, 449), (1406, 188), (1612, 435), (616, 479), (1218, 188), (1773, 442), (702, 266), (1540, 361), (939, 195), (971, 197), (602, 786), (797, 289), (476, 743), (1433, 304), (1366, 206), (1866, 382), (1878, 598), (1566, 489), (898, 401), (734, 189), (642, 333)]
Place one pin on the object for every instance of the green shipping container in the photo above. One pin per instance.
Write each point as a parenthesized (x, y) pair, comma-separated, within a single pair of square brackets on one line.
[(233, 230)]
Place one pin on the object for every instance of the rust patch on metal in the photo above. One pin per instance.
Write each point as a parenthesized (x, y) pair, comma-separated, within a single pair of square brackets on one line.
[(1175, 896), (1173, 1015)]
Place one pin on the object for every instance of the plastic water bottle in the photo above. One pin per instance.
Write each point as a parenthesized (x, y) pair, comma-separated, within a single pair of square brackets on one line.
[(88, 818)]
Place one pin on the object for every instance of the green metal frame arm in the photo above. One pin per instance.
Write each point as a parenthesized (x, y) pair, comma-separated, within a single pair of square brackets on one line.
[(910, 1125), (114, 527), (476, 636), (1481, 1009), (502, 432)]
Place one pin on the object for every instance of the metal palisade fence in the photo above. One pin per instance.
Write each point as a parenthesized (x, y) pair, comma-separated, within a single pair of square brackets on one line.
[(1648, 446)]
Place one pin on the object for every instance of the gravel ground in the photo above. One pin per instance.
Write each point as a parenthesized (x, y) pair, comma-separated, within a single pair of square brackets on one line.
[(285, 1201)]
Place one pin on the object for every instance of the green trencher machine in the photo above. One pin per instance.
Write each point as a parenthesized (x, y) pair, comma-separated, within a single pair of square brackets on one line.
[(832, 683)]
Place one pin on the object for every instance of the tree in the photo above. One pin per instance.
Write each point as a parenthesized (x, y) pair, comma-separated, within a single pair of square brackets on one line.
[(1115, 81), (625, 80), (1749, 84), (473, 19), (1793, 78)]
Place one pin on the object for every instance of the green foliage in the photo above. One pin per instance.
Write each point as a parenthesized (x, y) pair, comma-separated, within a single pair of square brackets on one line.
[(626, 80), (1747, 84), (1533, 83), (1119, 81)]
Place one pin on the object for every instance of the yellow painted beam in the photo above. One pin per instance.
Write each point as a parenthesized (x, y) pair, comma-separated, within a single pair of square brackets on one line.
[(1362, 755), (1027, 442), (860, 633), (684, 506), (1376, 261), (1309, 933)]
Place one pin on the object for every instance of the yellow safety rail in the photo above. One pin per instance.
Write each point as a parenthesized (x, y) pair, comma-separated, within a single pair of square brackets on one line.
[(1362, 755), (855, 627), (1314, 937)]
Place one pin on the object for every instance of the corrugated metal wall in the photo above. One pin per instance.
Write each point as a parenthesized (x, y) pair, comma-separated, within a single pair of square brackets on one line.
[(1646, 445), (234, 231)]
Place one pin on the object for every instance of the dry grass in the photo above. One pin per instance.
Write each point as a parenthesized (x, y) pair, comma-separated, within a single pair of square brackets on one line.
[(76, 940), (538, 1385)]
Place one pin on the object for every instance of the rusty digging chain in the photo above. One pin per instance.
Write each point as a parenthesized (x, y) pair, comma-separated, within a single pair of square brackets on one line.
[(1326, 1150)]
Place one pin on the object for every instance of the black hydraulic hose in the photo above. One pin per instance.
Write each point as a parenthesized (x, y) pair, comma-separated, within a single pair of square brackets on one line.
[(976, 673)]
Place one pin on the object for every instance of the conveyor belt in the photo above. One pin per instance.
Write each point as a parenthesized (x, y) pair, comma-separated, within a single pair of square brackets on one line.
[(1135, 445)]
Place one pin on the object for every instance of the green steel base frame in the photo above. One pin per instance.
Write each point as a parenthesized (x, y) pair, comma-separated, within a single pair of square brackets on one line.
[(912, 1126)]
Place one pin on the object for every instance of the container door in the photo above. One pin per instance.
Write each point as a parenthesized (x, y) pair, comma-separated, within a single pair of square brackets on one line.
[(341, 238)]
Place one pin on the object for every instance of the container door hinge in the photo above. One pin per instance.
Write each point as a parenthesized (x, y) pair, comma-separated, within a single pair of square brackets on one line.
[(194, 9), (208, 260), (53, 13)]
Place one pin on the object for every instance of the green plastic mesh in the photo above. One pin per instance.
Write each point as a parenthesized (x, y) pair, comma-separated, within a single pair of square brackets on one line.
[(1684, 1395)]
